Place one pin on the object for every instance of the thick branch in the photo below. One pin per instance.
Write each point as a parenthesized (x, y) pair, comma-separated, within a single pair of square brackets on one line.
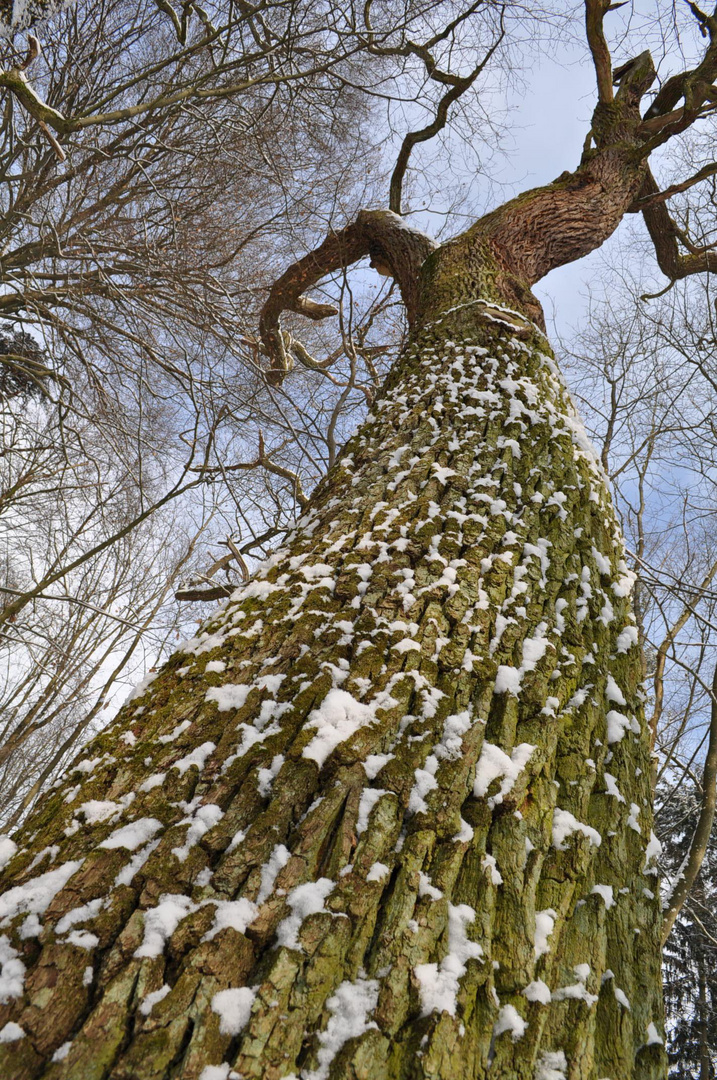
[(662, 120), (700, 840), (210, 593), (595, 11), (665, 235), (15, 81), (560, 222), (395, 249)]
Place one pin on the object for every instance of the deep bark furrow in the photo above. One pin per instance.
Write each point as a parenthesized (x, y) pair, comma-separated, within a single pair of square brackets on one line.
[(455, 600)]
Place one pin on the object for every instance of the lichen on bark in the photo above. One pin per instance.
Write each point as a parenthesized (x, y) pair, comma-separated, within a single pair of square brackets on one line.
[(392, 803)]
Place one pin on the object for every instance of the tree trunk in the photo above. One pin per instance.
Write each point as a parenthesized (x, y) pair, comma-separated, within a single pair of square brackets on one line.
[(705, 1056), (388, 814)]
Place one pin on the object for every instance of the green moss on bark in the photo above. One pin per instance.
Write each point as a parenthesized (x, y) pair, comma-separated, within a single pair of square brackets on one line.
[(459, 574)]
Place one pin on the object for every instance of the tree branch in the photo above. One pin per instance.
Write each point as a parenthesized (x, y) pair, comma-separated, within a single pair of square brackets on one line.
[(670, 637), (700, 840), (665, 234), (458, 88), (662, 120), (595, 11), (281, 470), (395, 249), (674, 189)]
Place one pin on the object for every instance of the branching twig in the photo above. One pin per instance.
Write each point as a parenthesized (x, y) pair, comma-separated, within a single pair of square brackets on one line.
[(393, 246), (665, 234), (668, 641), (691, 866), (458, 87)]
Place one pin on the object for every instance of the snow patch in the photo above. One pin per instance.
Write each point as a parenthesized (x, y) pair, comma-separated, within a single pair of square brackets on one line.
[(508, 680), (544, 926), (35, 895), (627, 639), (509, 1019), (8, 848), (133, 835), (652, 854), (236, 914), (374, 763), (350, 1006), (606, 892), (304, 900), (270, 870), (233, 1007), (337, 718), (613, 692), (439, 983), (229, 696), (11, 1032), (538, 991), (653, 1036), (552, 1065), (174, 733), (12, 972), (153, 999), (197, 757), (161, 921), (494, 762), (124, 877), (369, 798), (205, 818), (565, 824)]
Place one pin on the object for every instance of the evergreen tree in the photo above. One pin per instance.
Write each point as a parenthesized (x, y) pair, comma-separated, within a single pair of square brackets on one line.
[(690, 957)]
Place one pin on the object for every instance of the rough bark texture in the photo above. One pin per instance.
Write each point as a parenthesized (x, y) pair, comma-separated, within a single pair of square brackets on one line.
[(428, 702)]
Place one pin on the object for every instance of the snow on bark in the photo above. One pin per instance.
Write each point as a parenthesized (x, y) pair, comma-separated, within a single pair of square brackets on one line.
[(369, 829)]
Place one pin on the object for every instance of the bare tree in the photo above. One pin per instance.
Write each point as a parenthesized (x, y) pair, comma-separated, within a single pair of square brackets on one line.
[(389, 812)]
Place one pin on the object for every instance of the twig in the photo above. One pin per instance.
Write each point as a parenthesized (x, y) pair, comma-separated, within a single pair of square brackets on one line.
[(700, 840)]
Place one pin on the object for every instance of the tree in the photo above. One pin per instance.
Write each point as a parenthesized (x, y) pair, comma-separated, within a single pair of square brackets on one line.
[(690, 986), (118, 258), (645, 369), (389, 812)]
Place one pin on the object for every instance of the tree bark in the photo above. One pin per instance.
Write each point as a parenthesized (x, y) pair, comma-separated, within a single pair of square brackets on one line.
[(389, 813)]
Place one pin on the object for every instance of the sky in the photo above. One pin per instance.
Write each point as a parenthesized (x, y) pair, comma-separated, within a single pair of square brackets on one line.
[(548, 118), (552, 122)]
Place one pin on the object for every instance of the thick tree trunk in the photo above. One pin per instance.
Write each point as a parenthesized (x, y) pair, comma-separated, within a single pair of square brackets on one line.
[(388, 815)]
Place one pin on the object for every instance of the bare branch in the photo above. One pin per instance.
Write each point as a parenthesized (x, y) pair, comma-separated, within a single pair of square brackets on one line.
[(34, 50), (214, 592), (668, 642), (595, 11), (674, 189), (394, 247), (281, 470), (693, 862), (662, 120), (458, 87), (666, 234)]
